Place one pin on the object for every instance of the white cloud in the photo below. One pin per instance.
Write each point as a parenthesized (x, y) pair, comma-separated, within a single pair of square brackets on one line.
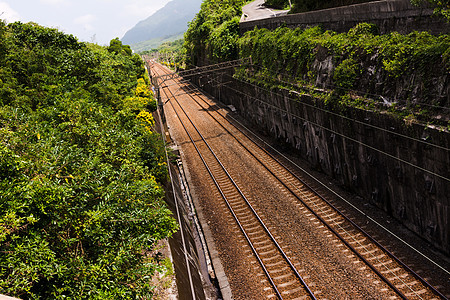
[(7, 13), (86, 21)]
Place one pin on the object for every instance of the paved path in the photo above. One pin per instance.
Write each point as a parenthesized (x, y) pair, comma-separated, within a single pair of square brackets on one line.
[(256, 10)]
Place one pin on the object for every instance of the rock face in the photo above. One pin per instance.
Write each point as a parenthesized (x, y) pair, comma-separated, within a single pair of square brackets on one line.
[(170, 20), (426, 85), (402, 168)]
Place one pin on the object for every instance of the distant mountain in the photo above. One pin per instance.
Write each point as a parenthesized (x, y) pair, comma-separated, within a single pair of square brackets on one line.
[(170, 20)]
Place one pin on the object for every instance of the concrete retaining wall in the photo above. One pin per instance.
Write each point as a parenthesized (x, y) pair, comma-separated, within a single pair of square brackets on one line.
[(374, 155), (389, 15)]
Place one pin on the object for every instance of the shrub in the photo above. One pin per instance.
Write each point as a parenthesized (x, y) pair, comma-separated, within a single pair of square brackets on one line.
[(80, 170)]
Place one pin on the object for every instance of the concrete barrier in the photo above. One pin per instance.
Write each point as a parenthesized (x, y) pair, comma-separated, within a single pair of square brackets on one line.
[(392, 164), (388, 15)]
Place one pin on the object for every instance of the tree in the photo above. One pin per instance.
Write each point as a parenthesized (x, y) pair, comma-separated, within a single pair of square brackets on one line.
[(81, 202), (116, 46)]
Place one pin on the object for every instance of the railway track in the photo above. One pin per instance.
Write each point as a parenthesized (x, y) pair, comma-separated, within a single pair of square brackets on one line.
[(359, 245), (283, 276)]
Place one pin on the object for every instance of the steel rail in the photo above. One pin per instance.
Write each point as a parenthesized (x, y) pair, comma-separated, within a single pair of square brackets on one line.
[(245, 199), (389, 254), (227, 202), (183, 240), (325, 186)]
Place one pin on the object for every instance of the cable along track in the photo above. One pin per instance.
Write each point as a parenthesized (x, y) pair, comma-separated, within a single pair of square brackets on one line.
[(283, 276), (399, 277)]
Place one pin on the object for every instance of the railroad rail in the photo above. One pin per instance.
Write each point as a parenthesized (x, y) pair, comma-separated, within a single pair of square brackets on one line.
[(282, 275), (400, 278), (159, 79)]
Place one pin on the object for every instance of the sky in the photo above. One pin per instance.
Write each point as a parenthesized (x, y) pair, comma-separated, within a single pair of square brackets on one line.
[(97, 21)]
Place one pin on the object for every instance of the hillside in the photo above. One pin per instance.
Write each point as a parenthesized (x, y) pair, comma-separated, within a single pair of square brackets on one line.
[(170, 20), (155, 43)]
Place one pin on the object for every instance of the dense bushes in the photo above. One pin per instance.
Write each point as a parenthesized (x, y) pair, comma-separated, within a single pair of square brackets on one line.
[(277, 4), (212, 35), (295, 49), (81, 204), (359, 59), (441, 7)]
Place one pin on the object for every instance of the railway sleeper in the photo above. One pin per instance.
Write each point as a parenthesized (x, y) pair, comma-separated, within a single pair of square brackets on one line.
[(263, 247), (402, 276), (391, 271), (282, 277), (274, 257), (280, 270), (370, 252), (289, 283), (274, 264), (257, 235), (383, 263), (295, 291), (412, 294), (240, 210), (355, 241), (262, 242), (248, 218), (252, 227), (266, 253), (409, 284)]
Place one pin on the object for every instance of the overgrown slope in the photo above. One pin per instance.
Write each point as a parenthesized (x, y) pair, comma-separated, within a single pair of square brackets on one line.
[(213, 34), (409, 73), (401, 71), (80, 165)]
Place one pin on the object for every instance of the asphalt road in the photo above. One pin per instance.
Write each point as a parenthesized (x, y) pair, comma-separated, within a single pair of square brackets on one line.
[(256, 10)]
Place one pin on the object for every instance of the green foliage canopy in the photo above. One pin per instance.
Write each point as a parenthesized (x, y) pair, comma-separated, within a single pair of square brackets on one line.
[(212, 35), (292, 51), (80, 169)]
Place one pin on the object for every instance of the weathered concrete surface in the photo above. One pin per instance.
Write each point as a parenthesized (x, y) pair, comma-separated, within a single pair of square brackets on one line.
[(388, 15), (374, 155)]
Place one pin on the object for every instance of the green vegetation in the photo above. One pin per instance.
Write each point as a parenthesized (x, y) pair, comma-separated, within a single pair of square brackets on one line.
[(298, 6), (359, 58), (80, 169), (171, 54), (213, 34), (155, 43), (442, 7), (278, 4), (291, 51)]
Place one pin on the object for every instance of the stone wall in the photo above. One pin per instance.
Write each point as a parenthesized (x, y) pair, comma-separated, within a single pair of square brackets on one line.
[(403, 169), (388, 15)]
